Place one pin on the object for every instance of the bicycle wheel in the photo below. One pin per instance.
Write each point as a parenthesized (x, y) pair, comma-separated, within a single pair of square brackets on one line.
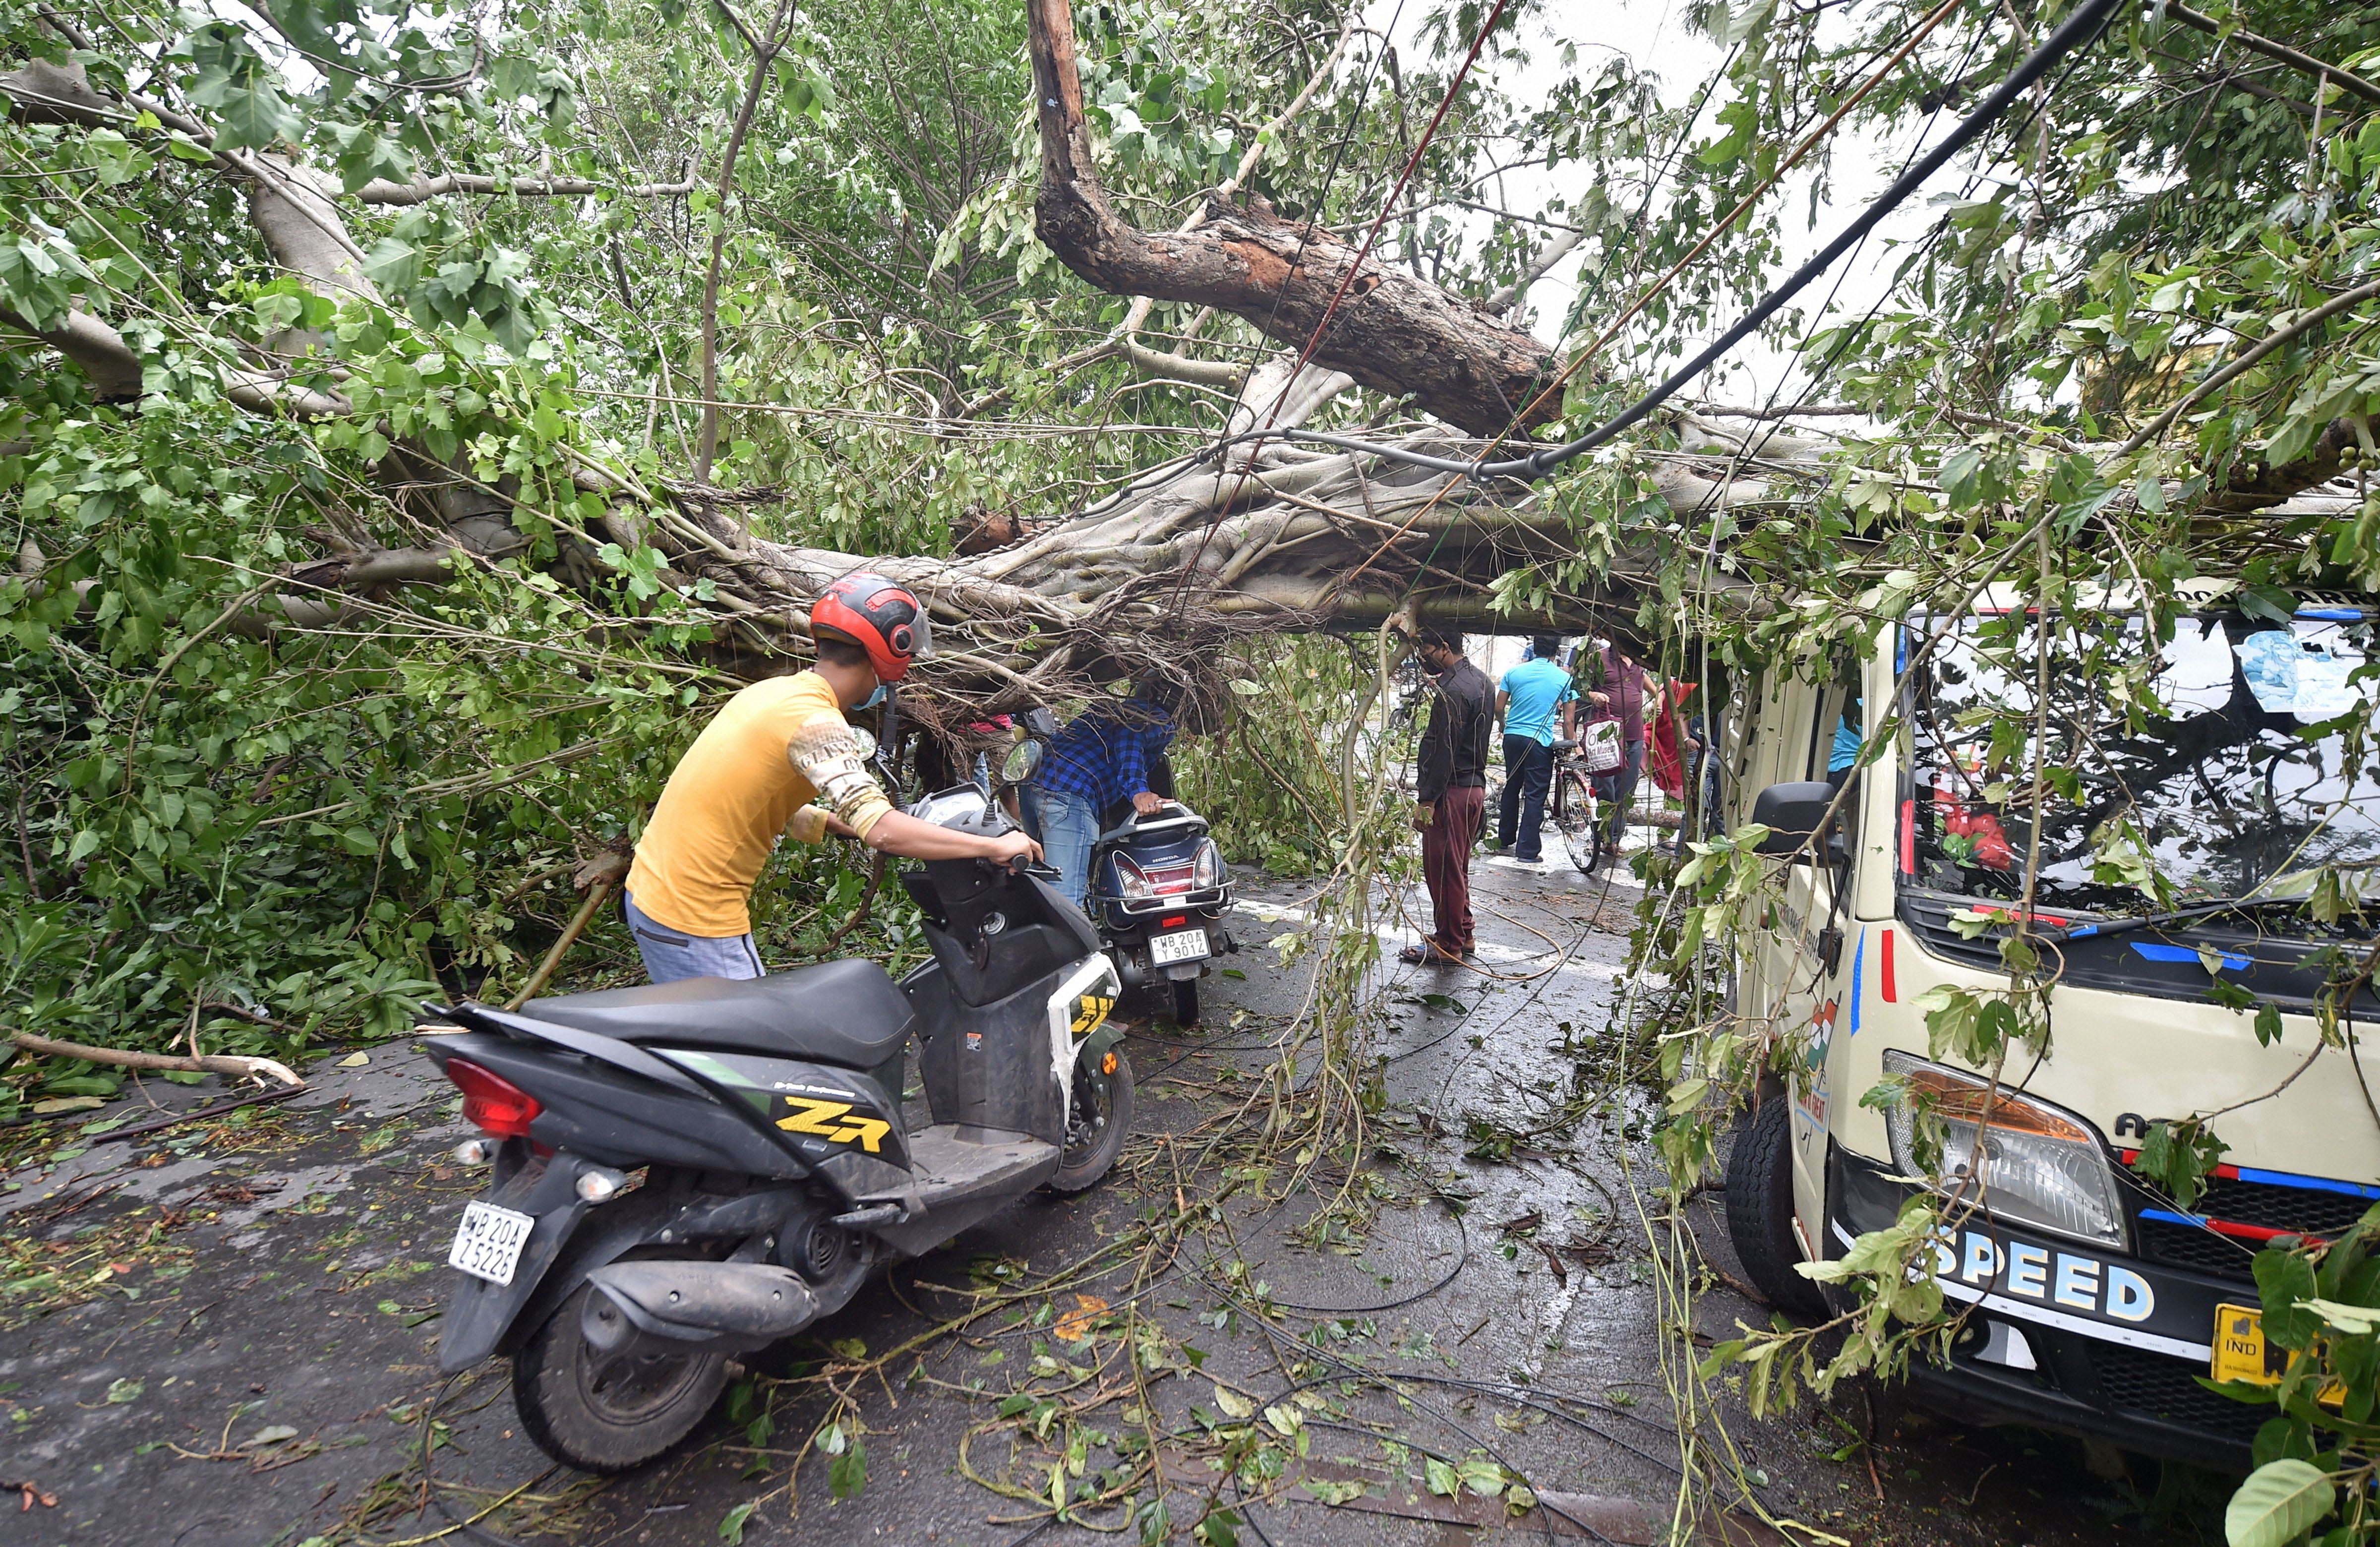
[(1574, 814)]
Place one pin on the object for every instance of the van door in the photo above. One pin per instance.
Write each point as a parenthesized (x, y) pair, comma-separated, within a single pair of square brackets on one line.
[(1796, 987)]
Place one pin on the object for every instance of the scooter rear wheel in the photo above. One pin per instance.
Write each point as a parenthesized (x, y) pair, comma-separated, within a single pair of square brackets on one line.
[(1185, 1001), (607, 1413), (1100, 1122)]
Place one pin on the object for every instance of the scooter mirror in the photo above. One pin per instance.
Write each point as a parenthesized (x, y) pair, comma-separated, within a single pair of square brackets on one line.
[(1022, 762), (867, 740)]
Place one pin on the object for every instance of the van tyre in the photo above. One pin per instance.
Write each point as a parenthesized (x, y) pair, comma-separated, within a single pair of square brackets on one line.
[(1760, 1209), (1099, 1123), (607, 1414)]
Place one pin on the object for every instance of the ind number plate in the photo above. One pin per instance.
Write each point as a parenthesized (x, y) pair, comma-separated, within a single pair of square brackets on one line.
[(489, 1244), (1181, 945), (2241, 1353)]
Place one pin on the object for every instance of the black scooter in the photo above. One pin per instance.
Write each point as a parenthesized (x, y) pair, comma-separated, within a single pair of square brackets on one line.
[(690, 1171), (1159, 890)]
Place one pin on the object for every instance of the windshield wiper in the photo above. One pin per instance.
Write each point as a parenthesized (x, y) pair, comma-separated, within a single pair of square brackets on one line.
[(2243, 904)]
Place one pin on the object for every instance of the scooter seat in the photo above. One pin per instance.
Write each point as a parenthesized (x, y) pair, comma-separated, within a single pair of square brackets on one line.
[(840, 1012)]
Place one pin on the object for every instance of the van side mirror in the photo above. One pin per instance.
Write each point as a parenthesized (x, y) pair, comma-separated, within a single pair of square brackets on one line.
[(1791, 812)]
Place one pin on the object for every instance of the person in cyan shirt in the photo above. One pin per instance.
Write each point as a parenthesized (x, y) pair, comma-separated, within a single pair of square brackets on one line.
[(1533, 698)]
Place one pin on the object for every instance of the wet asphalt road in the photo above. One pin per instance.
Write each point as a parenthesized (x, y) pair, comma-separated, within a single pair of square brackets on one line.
[(239, 1333)]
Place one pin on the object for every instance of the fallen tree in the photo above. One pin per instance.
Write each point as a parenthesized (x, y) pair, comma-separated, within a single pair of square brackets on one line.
[(357, 433)]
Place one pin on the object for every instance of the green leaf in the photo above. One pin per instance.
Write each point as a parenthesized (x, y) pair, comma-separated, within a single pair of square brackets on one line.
[(130, 1390), (731, 1528), (2280, 1502), (1443, 1479), (2356, 1321), (846, 1475), (256, 118)]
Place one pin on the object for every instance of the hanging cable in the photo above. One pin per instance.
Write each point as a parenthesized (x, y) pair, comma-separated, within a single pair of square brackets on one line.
[(2088, 20)]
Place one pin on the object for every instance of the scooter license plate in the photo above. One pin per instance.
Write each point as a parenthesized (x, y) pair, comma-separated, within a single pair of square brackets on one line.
[(489, 1241), (1181, 945)]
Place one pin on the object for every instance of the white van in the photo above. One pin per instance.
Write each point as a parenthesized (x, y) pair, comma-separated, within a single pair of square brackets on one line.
[(2095, 1300)]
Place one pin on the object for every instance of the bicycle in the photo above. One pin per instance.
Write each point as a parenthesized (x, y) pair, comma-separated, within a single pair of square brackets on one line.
[(1579, 812)]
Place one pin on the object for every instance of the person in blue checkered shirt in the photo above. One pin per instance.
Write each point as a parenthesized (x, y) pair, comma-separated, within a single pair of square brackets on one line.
[(1103, 759)]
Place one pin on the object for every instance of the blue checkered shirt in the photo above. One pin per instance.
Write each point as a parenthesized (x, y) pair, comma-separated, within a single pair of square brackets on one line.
[(1103, 757)]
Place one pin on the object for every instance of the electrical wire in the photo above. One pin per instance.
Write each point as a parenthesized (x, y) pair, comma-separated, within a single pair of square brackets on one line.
[(2085, 26)]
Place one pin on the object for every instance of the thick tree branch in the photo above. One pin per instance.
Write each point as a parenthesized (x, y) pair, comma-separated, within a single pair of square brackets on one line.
[(2254, 485), (2297, 327), (2270, 49), (1392, 331), (98, 350), (41, 93), (380, 190)]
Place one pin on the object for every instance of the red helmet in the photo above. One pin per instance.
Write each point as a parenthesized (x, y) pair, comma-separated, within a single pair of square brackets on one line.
[(881, 617)]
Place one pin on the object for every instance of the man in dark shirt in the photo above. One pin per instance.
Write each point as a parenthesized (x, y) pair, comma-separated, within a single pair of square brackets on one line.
[(1450, 793)]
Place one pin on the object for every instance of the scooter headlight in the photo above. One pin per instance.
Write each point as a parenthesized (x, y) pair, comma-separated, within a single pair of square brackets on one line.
[(2018, 1159), (1208, 874)]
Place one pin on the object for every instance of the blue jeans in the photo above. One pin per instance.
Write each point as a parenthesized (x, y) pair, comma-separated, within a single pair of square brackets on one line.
[(1065, 827), (670, 955), (1528, 772)]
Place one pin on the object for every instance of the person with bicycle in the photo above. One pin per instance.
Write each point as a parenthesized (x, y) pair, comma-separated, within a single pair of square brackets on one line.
[(1619, 693)]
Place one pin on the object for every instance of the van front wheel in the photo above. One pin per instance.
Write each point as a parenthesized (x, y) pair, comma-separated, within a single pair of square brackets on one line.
[(1760, 1209)]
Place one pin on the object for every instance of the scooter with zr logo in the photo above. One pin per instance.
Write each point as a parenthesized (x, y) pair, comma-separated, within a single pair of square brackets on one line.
[(688, 1173)]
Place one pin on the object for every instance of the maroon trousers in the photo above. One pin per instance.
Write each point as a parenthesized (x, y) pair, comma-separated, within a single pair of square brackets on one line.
[(1446, 847)]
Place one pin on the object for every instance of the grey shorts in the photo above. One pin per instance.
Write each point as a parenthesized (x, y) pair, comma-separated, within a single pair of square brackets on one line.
[(670, 955)]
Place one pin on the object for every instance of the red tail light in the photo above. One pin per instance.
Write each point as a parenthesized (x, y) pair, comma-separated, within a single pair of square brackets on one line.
[(490, 1102)]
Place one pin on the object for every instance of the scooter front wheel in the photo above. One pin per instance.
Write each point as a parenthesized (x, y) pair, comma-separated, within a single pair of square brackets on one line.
[(608, 1413), (1099, 1123)]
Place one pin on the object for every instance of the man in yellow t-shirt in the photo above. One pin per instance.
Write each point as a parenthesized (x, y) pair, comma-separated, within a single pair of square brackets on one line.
[(780, 759)]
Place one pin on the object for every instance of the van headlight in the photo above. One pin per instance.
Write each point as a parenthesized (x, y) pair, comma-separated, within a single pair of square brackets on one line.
[(1208, 874), (2018, 1159)]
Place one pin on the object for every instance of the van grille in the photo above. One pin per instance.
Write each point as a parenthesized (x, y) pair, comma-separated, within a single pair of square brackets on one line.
[(2262, 1206), (2195, 1246), (1930, 920), (2157, 1386), (2300, 1210)]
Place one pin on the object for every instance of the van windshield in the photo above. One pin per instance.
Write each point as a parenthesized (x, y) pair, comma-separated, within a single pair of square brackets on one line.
[(2237, 751)]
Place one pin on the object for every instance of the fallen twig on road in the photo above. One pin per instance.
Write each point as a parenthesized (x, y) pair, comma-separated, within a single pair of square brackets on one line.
[(213, 1063)]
